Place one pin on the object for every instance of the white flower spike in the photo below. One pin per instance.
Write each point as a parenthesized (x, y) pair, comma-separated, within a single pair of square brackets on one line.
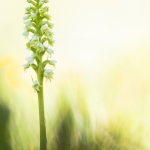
[(40, 39), (41, 35)]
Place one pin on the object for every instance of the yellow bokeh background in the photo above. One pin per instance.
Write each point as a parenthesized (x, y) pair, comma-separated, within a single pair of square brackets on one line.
[(102, 48)]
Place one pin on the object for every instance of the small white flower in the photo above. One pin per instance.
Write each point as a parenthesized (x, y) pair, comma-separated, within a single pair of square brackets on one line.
[(28, 24), (52, 62), (27, 9), (35, 39), (30, 59), (50, 51), (48, 33), (33, 15), (26, 17), (40, 47), (41, 2), (26, 66), (44, 28), (36, 85), (48, 73), (25, 33)]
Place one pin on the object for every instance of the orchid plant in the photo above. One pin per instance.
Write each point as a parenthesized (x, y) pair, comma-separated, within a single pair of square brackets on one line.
[(40, 40)]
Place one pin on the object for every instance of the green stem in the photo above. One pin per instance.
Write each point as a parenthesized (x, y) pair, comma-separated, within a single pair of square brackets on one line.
[(43, 139)]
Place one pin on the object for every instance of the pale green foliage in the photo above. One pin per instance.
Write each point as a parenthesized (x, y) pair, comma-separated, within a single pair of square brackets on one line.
[(40, 37)]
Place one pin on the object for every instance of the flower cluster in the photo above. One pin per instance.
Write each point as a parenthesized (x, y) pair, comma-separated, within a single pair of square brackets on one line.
[(40, 39)]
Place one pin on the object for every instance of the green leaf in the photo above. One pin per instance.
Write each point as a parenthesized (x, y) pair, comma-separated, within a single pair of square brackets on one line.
[(33, 49), (34, 67), (45, 63), (50, 25), (47, 17), (32, 31), (51, 42), (44, 40)]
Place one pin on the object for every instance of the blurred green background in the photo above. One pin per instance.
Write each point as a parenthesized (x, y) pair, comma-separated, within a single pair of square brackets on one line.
[(99, 98)]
